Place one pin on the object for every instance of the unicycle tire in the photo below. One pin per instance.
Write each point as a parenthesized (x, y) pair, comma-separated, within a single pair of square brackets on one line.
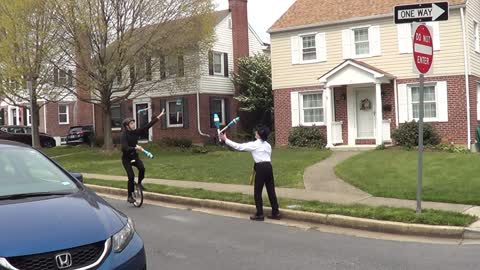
[(138, 195)]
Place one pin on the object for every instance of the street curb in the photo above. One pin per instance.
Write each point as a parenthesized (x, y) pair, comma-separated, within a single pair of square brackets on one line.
[(316, 218)]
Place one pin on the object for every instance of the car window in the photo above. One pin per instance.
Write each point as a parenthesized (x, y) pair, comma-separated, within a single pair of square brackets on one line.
[(24, 170), (75, 130)]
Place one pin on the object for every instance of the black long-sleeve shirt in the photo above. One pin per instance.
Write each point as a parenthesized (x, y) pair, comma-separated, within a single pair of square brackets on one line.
[(129, 140)]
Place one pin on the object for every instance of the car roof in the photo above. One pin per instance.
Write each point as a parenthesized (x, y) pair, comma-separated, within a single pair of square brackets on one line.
[(7, 143)]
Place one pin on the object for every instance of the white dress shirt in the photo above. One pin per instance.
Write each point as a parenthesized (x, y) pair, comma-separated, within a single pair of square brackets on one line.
[(261, 150)]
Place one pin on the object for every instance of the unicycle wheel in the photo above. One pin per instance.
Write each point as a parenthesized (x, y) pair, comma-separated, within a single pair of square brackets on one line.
[(138, 195)]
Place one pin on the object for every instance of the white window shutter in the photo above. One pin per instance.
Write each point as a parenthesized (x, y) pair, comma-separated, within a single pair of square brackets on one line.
[(402, 103), (436, 35), (442, 101), (405, 42), (347, 43), (295, 108), (374, 40), (295, 44), (321, 47)]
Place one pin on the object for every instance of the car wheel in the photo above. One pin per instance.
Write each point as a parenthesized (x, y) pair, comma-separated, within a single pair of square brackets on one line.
[(48, 144)]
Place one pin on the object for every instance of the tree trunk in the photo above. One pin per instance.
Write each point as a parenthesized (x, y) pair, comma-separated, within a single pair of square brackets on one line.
[(107, 129), (35, 115)]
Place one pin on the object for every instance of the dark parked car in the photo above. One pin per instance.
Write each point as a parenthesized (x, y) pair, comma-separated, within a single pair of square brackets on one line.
[(79, 135), (23, 134), (50, 220)]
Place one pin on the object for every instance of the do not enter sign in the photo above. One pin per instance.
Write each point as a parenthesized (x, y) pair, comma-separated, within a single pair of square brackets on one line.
[(422, 49)]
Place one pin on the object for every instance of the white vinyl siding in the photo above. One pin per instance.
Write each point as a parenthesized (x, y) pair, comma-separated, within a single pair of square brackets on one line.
[(435, 102), (361, 42), (308, 48)]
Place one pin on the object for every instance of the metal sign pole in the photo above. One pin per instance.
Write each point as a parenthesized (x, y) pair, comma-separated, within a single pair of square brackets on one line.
[(420, 146)]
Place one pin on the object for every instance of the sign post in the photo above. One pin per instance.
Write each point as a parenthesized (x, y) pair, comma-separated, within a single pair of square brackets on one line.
[(423, 59)]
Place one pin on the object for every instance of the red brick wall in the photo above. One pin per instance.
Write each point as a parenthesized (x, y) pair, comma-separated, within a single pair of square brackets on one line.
[(455, 130), (54, 128), (283, 116), (388, 98), (341, 110), (239, 12)]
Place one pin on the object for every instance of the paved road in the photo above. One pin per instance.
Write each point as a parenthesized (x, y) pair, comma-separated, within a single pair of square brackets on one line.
[(183, 240)]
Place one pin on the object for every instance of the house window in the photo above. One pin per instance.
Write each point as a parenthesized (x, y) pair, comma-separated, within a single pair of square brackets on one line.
[(148, 69), (218, 107), (477, 38), (430, 102), (309, 49), (63, 114), (478, 101), (312, 108), (13, 117), (175, 114), (172, 65), (116, 116), (29, 118), (218, 64), (362, 44), (62, 77)]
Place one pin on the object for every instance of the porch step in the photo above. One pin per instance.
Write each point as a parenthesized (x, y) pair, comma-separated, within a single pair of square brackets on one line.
[(356, 148)]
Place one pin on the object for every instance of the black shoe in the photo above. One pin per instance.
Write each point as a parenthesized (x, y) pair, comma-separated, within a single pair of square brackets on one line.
[(276, 216), (131, 200), (257, 218)]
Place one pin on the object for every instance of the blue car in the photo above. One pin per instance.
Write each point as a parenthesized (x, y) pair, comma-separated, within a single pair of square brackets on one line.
[(49, 220)]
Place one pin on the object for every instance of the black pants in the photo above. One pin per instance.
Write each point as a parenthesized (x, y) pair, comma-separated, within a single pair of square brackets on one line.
[(264, 176), (128, 165)]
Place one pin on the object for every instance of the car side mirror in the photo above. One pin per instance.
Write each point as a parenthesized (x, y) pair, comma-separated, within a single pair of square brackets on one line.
[(78, 176)]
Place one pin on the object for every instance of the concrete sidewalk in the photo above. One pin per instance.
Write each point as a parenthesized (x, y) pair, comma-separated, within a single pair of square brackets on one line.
[(302, 194)]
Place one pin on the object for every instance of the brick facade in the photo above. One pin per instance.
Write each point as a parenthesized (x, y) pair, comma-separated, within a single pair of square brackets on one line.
[(455, 130)]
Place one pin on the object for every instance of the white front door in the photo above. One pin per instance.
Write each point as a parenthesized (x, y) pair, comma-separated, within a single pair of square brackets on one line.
[(142, 117), (365, 103)]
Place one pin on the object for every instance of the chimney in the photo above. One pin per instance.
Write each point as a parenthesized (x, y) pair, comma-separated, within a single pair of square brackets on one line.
[(238, 9)]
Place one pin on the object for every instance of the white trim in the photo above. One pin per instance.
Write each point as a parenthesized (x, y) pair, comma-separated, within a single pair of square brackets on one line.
[(45, 117), (302, 36), (375, 74), (476, 36), (438, 105), (29, 115), (168, 115), (478, 100), (149, 106), (120, 107), (67, 113), (222, 62), (353, 43)]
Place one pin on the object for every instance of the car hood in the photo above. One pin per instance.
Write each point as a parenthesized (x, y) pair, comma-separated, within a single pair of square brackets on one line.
[(56, 223)]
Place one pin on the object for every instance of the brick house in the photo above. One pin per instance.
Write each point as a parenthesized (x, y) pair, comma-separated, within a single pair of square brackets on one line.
[(191, 90), (192, 87), (345, 67)]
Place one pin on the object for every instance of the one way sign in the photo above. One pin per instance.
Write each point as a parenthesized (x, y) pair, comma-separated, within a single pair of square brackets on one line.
[(428, 12)]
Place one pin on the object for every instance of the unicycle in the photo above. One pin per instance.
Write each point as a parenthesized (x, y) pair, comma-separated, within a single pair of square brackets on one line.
[(137, 195)]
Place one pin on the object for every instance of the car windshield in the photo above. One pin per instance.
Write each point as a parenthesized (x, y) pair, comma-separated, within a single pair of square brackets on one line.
[(24, 170), (75, 130)]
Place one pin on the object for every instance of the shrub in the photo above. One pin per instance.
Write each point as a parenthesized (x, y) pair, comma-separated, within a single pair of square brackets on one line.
[(306, 137), (407, 135), (177, 142), (450, 148), (380, 147), (200, 150), (271, 138)]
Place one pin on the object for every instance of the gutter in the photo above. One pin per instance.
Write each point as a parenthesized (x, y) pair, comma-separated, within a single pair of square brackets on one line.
[(467, 81), (198, 115), (349, 20)]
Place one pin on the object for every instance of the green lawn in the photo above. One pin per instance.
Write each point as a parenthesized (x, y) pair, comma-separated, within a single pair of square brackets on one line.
[(218, 165), (431, 217), (64, 150), (448, 177)]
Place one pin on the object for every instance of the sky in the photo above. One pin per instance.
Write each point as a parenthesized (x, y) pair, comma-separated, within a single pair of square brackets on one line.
[(261, 13)]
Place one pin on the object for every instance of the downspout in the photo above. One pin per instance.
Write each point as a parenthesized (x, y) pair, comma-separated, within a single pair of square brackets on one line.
[(395, 93), (198, 115), (45, 117), (467, 83), (93, 118)]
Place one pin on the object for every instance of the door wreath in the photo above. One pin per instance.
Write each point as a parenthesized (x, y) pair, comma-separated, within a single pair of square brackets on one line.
[(365, 105)]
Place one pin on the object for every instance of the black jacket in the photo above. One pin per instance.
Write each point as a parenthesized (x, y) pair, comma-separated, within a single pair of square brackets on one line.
[(129, 139)]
